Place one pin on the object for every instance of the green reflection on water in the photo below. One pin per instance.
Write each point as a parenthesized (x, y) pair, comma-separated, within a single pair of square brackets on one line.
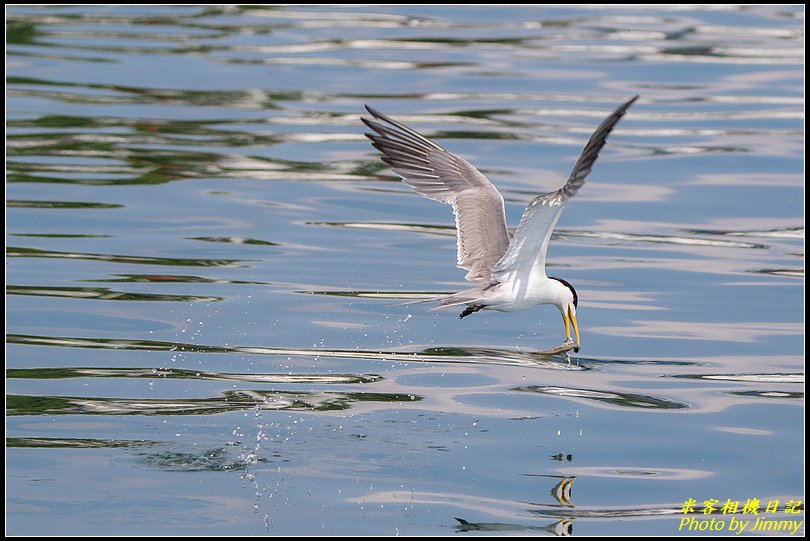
[(217, 459), (61, 235), (174, 373), (20, 32), (235, 240), (60, 204), (229, 401), (172, 278), (102, 293), (13, 251), (75, 443)]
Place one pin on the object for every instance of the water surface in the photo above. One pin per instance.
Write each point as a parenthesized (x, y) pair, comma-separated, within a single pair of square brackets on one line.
[(207, 264)]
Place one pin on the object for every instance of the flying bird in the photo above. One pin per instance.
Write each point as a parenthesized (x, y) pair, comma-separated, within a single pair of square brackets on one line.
[(509, 273)]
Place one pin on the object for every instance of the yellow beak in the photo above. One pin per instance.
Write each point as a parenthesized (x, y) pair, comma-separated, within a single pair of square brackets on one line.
[(571, 318)]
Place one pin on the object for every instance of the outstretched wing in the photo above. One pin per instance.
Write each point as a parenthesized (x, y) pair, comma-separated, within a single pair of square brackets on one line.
[(442, 176), (528, 248)]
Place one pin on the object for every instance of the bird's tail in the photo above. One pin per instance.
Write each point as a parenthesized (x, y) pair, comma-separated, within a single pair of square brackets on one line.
[(427, 298), (469, 297), (472, 296), (442, 300)]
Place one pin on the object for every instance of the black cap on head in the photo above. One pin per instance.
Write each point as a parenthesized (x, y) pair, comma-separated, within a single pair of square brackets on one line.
[(569, 286)]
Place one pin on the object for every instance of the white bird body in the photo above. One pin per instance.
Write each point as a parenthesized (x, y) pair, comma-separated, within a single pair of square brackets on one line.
[(509, 273), (519, 293)]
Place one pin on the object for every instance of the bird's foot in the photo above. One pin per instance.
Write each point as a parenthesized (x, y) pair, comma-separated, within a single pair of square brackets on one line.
[(470, 309)]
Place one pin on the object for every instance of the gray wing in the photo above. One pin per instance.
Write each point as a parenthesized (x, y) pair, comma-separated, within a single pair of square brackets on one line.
[(442, 176), (529, 245)]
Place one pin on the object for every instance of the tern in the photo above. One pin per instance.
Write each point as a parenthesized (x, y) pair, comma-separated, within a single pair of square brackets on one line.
[(509, 273)]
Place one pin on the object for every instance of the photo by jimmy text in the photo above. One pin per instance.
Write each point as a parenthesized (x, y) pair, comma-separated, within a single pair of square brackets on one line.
[(754, 518)]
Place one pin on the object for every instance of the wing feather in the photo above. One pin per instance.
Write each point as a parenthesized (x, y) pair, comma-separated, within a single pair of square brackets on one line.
[(432, 171), (528, 248)]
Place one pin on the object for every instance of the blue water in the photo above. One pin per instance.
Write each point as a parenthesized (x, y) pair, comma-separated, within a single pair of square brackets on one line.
[(206, 265)]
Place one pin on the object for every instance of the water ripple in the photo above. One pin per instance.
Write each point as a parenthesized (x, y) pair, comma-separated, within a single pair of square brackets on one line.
[(229, 401), (613, 398), (428, 355), (102, 293), (217, 153), (184, 374), (128, 259)]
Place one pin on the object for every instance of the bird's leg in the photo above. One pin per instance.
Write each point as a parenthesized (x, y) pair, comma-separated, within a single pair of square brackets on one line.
[(470, 309)]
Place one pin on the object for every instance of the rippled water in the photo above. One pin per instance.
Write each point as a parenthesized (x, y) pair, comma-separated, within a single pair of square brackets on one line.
[(207, 262)]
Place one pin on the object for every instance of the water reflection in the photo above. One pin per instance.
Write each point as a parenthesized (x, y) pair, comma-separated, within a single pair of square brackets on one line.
[(236, 240), (755, 378), (444, 230), (102, 293), (775, 233), (796, 272), (211, 460), (61, 235), (75, 443), (627, 400), (564, 515), (744, 332), (154, 454), (793, 395), (59, 205), (635, 472), (148, 140), (179, 373), (697, 237), (444, 354), (12, 251), (563, 527), (431, 355), (172, 278), (561, 492), (660, 239), (629, 512), (230, 401)]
